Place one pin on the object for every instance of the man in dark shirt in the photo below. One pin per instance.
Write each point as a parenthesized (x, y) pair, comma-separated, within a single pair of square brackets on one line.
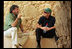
[(45, 27)]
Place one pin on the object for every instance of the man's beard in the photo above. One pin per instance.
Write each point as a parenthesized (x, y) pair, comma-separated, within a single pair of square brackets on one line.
[(16, 14)]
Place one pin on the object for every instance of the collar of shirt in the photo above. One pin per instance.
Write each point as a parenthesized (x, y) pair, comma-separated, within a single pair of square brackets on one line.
[(48, 18)]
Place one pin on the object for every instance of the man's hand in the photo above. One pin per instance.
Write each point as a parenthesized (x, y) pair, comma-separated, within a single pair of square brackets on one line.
[(19, 16), (44, 28), (48, 28), (16, 21)]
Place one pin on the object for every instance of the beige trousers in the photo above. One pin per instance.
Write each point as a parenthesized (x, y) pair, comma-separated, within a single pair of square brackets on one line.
[(12, 32)]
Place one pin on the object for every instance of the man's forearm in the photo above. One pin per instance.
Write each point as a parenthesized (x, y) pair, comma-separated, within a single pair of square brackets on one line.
[(15, 22), (39, 26), (52, 27), (21, 27)]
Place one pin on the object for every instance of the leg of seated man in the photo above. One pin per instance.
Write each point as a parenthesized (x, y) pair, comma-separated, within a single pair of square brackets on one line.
[(51, 34), (54, 34), (38, 36), (13, 33), (48, 34)]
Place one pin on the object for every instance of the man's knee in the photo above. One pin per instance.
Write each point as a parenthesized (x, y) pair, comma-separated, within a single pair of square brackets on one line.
[(14, 28), (52, 30), (5, 34), (38, 30)]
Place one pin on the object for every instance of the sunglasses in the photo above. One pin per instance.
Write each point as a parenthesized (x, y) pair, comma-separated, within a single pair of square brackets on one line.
[(46, 12)]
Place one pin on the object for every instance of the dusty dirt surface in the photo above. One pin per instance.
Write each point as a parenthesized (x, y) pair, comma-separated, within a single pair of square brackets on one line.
[(31, 42), (45, 43)]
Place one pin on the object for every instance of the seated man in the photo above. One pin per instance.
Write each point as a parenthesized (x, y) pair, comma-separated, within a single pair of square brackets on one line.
[(12, 24), (45, 27)]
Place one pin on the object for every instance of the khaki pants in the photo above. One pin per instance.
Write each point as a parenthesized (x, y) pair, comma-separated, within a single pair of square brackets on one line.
[(12, 32)]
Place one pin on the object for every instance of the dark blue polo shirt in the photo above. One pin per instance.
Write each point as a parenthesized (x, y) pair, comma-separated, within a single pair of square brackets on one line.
[(43, 21)]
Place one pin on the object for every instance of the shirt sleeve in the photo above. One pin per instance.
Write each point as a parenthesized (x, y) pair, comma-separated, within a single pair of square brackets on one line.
[(20, 21), (10, 20), (40, 21), (53, 21)]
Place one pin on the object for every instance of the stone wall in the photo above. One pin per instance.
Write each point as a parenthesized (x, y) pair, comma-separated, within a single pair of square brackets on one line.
[(32, 10)]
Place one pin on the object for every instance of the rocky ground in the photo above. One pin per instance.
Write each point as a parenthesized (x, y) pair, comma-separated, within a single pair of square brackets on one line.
[(30, 42)]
